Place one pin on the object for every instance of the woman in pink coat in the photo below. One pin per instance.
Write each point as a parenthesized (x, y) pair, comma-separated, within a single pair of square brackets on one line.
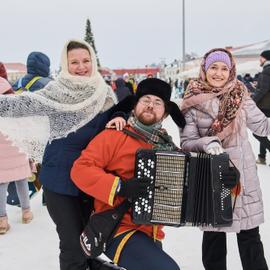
[(14, 166), (218, 112)]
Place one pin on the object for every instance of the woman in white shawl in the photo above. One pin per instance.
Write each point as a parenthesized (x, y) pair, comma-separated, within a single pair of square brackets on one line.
[(68, 113)]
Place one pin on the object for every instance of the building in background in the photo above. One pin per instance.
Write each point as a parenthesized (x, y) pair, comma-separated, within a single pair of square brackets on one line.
[(246, 57), (15, 71), (137, 73)]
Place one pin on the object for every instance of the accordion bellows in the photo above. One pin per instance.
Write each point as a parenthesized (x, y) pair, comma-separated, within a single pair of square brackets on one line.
[(185, 189)]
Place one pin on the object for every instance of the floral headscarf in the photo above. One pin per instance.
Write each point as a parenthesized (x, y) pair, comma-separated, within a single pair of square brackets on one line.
[(230, 95)]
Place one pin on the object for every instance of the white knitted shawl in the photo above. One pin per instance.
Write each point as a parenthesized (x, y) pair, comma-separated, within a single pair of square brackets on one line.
[(62, 107)]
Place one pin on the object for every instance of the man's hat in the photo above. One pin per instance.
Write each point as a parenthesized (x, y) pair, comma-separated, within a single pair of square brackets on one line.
[(161, 89), (266, 55)]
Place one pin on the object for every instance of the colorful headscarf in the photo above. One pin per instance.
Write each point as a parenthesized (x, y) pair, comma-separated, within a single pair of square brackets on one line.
[(230, 95)]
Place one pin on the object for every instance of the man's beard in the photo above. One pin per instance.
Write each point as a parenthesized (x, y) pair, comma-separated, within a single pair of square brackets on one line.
[(147, 121)]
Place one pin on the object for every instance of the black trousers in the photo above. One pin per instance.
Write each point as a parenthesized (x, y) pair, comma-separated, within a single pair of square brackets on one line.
[(214, 250), (70, 215), (264, 142)]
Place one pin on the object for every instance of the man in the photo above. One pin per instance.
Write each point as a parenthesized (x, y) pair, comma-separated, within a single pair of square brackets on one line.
[(262, 99), (105, 170)]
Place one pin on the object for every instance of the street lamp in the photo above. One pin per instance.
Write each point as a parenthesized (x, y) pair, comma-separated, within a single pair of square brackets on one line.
[(183, 35)]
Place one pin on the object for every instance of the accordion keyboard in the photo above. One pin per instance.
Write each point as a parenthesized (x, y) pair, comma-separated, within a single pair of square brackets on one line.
[(163, 202)]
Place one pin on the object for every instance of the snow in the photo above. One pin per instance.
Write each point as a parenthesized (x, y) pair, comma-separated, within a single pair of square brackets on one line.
[(34, 246)]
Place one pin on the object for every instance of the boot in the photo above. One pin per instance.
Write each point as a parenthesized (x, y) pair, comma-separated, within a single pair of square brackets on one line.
[(261, 161), (27, 216), (4, 226)]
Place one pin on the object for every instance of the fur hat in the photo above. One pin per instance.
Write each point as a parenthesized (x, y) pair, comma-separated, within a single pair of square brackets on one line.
[(266, 55), (217, 56), (3, 71), (161, 89)]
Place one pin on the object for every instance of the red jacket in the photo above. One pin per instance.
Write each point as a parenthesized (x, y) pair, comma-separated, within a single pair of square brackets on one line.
[(110, 155)]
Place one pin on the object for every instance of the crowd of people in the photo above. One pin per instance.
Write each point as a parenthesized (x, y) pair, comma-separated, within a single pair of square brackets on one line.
[(85, 133)]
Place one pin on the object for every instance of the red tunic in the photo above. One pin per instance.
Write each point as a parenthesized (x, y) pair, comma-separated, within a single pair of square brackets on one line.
[(110, 155)]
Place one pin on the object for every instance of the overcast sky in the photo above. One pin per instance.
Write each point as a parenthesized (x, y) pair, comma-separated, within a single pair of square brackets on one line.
[(129, 33)]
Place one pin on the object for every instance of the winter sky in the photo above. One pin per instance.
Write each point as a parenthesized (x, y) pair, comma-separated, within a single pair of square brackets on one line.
[(130, 33)]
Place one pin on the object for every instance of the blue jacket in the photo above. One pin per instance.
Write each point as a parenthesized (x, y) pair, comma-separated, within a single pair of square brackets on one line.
[(38, 64), (61, 153)]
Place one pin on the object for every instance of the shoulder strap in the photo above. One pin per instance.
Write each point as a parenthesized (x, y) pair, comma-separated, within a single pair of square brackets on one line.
[(19, 87), (30, 83), (134, 135)]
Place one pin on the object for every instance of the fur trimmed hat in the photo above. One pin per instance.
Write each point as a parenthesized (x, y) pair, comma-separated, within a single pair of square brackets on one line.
[(266, 55), (161, 89)]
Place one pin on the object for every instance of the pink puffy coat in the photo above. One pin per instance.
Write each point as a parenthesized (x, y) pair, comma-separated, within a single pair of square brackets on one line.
[(14, 165), (248, 212)]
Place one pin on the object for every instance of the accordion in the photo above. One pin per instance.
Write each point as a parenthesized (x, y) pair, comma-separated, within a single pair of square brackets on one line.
[(185, 189)]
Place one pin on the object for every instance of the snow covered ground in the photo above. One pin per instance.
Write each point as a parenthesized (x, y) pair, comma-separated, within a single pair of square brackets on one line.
[(35, 246)]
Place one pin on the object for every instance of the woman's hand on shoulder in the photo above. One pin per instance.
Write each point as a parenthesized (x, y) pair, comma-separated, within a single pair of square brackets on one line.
[(117, 123)]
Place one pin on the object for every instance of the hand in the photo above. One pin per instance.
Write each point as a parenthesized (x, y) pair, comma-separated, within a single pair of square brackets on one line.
[(133, 187), (118, 123), (231, 177), (214, 148)]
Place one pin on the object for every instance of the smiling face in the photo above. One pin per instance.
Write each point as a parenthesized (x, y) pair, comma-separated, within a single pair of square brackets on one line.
[(79, 62), (150, 109), (217, 74)]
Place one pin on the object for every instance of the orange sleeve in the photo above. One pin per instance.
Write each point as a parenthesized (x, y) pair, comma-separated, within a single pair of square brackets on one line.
[(89, 170)]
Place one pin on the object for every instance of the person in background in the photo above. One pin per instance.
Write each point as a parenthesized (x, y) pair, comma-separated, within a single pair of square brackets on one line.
[(261, 96), (248, 82), (14, 166), (37, 77), (218, 111), (3, 71), (128, 83), (133, 83), (110, 157), (121, 90), (38, 71)]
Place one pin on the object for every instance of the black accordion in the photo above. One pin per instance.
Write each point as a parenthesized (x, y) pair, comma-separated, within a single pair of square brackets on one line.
[(185, 189)]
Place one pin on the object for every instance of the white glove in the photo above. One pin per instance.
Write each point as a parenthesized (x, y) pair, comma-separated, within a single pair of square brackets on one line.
[(214, 148)]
